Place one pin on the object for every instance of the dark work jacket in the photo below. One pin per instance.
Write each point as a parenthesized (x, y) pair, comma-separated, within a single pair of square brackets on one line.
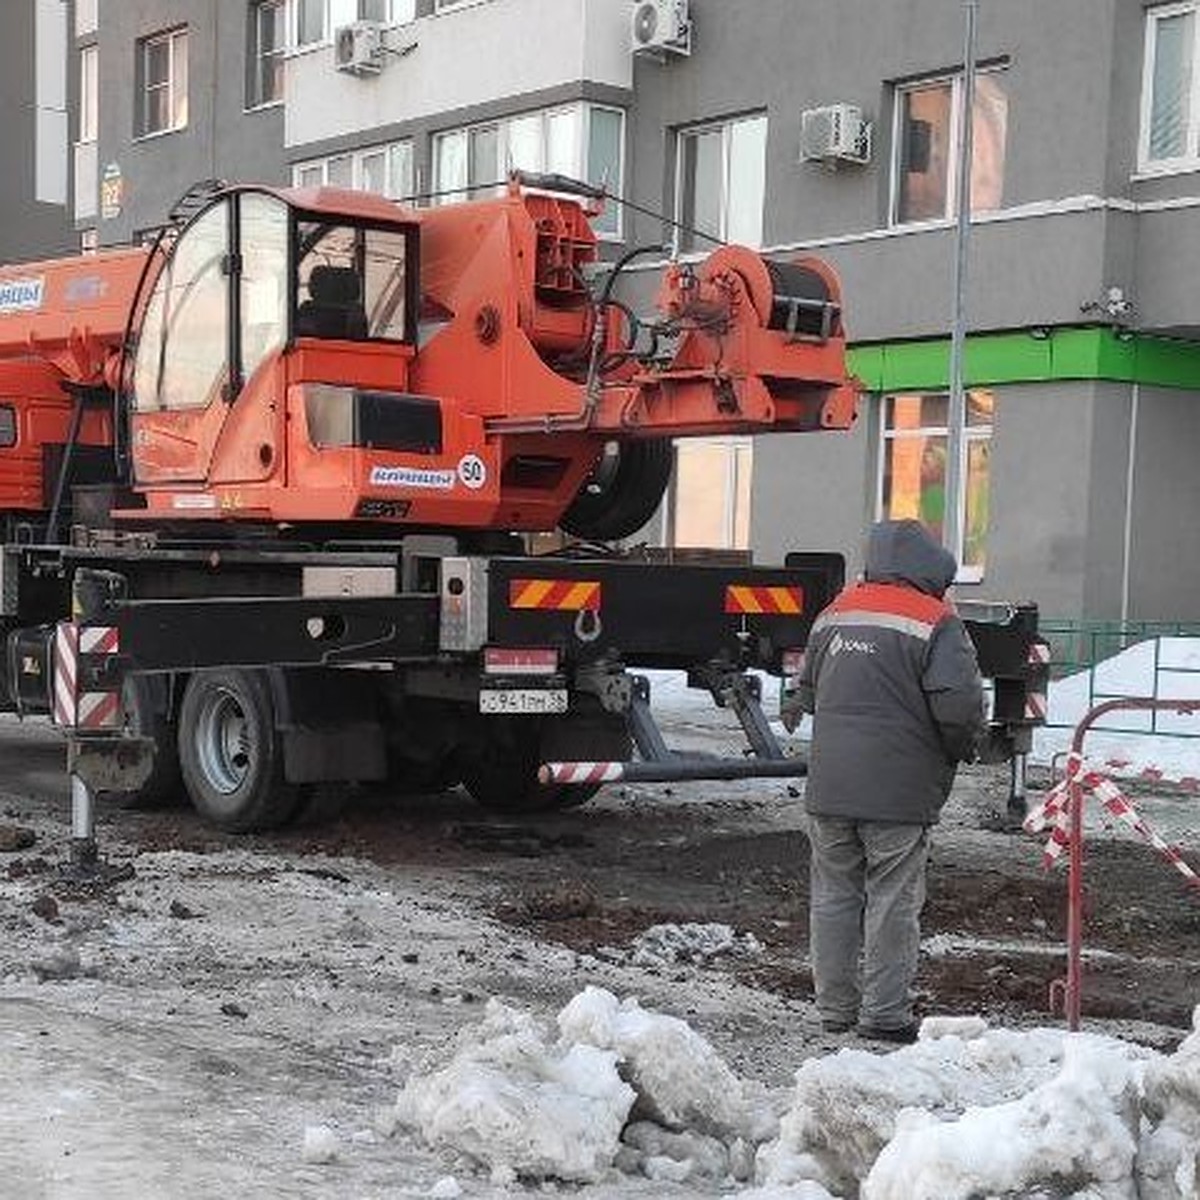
[(891, 678)]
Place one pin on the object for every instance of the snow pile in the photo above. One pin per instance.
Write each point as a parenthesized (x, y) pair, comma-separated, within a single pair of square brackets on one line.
[(996, 1113), (521, 1105), (320, 1144), (681, 1081), (967, 1111), (665, 945), (528, 1104), (1169, 1153)]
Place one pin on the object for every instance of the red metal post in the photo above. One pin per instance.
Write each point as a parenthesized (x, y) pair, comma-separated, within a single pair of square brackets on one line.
[(1073, 990)]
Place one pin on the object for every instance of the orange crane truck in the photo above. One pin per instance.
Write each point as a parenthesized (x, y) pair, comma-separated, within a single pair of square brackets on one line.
[(264, 485)]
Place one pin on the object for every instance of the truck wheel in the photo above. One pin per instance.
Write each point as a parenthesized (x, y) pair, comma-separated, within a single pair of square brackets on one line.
[(623, 491), (230, 752), (144, 704), (499, 769)]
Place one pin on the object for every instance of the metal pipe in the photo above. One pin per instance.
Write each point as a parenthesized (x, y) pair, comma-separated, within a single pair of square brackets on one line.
[(1130, 465), (952, 517), (83, 851), (1016, 785), (675, 770)]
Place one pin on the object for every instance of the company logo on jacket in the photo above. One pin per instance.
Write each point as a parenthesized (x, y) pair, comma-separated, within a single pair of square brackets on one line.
[(839, 643)]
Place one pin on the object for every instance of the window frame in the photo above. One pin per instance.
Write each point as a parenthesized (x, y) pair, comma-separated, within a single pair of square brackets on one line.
[(173, 38), (725, 128), (967, 572), (957, 81), (387, 149), (582, 110), (1189, 161), (12, 438), (333, 17), (256, 56), (89, 94)]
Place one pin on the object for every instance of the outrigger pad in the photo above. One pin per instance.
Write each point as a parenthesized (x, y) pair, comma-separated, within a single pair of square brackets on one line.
[(120, 764)]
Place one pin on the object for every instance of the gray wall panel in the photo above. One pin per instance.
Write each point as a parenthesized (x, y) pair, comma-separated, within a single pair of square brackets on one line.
[(30, 230), (220, 139), (1165, 563)]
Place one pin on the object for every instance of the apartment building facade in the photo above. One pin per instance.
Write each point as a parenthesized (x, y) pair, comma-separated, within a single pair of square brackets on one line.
[(35, 86), (1083, 355)]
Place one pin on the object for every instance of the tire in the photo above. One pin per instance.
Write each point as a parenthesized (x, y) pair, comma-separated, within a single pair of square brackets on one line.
[(230, 752), (499, 769), (144, 704), (623, 491)]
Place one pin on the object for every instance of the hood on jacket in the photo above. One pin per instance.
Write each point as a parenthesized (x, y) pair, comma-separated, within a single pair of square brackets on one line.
[(906, 552)]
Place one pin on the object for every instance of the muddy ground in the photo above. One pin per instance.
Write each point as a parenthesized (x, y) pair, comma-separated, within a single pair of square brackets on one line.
[(591, 880)]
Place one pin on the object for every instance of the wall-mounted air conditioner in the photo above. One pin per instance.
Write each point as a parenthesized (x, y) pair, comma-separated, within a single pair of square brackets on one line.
[(835, 133), (358, 48), (660, 27)]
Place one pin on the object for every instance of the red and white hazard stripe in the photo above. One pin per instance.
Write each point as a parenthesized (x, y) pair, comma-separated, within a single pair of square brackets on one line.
[(582, 772), (66, 672), (92, 710), (99, 639), (98, 710), (1035, 706), (1039, 653)]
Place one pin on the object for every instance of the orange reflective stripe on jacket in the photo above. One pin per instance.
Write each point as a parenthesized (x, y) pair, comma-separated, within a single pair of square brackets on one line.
[(886, 605)]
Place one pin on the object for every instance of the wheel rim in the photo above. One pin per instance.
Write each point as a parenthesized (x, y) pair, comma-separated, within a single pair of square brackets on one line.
[(224, 747)]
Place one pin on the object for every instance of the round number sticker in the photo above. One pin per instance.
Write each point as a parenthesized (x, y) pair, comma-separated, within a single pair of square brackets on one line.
[(472, 471)]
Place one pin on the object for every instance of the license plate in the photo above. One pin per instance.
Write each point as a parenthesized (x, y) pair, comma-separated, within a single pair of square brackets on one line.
[(523, 700)]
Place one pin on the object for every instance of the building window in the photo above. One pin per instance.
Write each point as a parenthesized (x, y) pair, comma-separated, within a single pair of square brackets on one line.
[(925, 157), (913, 468), (581, 141), (314, 21), (267, 44), (89, 241), (89, 93), (87, 19), (385, 170), (163, 83), (1169, 115), (709, 499), (722, 174)]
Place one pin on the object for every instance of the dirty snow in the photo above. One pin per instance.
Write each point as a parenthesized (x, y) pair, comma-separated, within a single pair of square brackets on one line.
[(662, 945), (235, 1024), (967, 1111)]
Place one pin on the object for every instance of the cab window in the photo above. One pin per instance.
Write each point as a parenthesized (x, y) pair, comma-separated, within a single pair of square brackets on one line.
[(182, 358), (8, 426), (351, 282), (264, 256)]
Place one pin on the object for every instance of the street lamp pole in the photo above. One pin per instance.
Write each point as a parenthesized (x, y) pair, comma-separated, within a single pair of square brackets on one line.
[(952, 521)]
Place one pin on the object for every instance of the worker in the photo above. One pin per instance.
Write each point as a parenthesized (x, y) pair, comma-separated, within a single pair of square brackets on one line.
[(891, 679)]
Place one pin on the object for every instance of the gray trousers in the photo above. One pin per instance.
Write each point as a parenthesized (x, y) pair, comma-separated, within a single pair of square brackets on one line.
[(867, 891)]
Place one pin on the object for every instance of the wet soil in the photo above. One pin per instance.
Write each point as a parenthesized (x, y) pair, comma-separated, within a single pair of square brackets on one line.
[(592, 879)]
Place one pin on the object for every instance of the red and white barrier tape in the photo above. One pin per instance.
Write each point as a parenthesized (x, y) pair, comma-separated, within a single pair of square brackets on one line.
[(1054, 813)]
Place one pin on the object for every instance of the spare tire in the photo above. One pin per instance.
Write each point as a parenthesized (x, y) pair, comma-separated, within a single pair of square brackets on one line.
[(623, 491)]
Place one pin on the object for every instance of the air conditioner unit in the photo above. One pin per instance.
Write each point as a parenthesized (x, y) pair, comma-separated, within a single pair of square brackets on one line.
[(835, 133), (660, 27), (358, 48)]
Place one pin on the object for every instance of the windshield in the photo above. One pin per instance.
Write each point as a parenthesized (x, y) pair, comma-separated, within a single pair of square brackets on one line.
[(351, 282)]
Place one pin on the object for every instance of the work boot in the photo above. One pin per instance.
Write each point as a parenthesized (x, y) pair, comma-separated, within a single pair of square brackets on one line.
[(903, 1035)]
